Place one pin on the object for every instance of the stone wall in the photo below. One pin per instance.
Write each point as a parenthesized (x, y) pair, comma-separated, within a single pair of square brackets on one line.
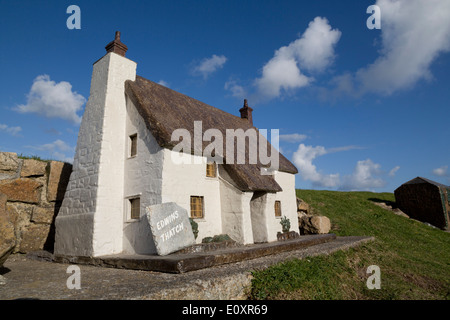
[(31, 192)]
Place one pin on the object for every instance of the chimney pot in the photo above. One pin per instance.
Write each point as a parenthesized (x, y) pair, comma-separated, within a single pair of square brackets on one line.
[(116, 46), (246, 112)]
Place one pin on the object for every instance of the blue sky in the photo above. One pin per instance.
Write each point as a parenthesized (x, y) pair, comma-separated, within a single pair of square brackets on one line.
[(357, 108)]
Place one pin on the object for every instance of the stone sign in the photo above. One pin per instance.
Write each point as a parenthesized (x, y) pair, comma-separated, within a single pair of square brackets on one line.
[(170, 227)]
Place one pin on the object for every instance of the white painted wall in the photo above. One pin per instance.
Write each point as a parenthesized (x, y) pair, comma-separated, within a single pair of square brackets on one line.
[(288, 204), (235, 207), (143, 178), (91, 217), (181, 181)]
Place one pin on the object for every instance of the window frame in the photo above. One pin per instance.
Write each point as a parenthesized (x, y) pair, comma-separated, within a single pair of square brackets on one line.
[(129, 208), (133, 142), (202, 203), (277, 202), (212, 165)]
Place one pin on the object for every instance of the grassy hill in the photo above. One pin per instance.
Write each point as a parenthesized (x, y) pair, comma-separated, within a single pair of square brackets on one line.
[(414, 259)]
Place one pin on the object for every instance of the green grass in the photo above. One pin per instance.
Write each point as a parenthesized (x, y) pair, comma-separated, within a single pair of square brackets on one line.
[(34, 157), (414, 259)]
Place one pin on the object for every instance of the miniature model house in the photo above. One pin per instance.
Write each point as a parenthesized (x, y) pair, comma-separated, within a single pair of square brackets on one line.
[(124, 163)]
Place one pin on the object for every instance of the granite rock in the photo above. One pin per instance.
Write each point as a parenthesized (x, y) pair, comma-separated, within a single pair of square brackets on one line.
[(170, 226)]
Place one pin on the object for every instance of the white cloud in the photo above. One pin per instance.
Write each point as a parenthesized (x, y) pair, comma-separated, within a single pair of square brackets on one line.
[(209, 65), (393, 171), (441, 171), (58, 150), (14, 131), (237, 91), (413, 34), (313, 51), (53, 100), (303, 159), (363, 177), (294, 137), (163, 83)]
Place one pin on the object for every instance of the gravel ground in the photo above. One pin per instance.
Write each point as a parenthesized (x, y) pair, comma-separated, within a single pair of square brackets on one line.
[(24, 278)]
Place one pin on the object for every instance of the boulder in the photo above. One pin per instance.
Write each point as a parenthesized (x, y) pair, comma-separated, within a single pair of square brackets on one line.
[(22, 190), (7, 237), (312, 224), (58, 179), (302, 206), (33, 168)]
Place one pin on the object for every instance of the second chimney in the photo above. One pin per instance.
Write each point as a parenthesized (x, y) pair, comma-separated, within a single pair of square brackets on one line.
[(246, 112)]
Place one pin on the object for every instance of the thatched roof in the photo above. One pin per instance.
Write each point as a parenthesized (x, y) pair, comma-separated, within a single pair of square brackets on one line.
[(165, 110)]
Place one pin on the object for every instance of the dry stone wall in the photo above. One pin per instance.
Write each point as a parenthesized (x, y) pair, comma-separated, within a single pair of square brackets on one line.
[(31, 192)]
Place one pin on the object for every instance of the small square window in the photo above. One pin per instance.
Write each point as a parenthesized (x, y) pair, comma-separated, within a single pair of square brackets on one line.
[(277, 208), (196, 207), (211, 170), (135, 208), (133, 145)]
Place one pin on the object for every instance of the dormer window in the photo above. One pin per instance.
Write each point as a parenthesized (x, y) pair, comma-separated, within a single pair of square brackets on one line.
[(211, 170)]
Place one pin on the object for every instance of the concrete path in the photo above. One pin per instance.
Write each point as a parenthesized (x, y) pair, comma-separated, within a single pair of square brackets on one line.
[(24, 278)]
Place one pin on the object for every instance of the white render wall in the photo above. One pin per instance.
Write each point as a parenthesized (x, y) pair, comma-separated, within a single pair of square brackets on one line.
[(235, 207), (91, 217), (288, 204), (181, 181), (143, 178)]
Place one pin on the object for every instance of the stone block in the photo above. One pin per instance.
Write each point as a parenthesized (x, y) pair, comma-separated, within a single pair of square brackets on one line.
[(22, 190), (9, 165), (7, 236), (170, 226), (43, 215), (58, 179), (311, 224), (34, 237), (31, 167)]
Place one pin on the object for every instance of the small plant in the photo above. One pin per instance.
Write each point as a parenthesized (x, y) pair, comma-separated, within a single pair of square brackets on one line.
[(285, 224), (194, 226), (216, 238)]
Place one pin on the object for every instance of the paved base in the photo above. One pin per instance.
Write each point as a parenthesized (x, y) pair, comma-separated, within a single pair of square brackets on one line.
[(25, 278), (180, 263)]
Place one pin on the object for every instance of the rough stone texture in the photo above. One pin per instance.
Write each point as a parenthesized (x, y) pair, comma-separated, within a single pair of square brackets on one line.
[(23, 190), (302, 206), (34, 237), (58, 180), (43, 215), (311, 224), (170, 226), (24, 184), (9, 164), (7, 236), (31, 167)]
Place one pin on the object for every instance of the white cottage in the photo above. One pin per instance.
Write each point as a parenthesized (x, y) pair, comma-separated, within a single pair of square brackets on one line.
[(124, 163)]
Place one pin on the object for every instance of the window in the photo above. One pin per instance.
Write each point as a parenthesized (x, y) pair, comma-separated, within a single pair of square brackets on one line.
[(196, 207), (211, 170), (133, 145), (277, 208), (135, 208)]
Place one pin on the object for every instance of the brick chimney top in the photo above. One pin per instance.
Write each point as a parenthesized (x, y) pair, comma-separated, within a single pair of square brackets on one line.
[(246, 112), (117, 46)]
